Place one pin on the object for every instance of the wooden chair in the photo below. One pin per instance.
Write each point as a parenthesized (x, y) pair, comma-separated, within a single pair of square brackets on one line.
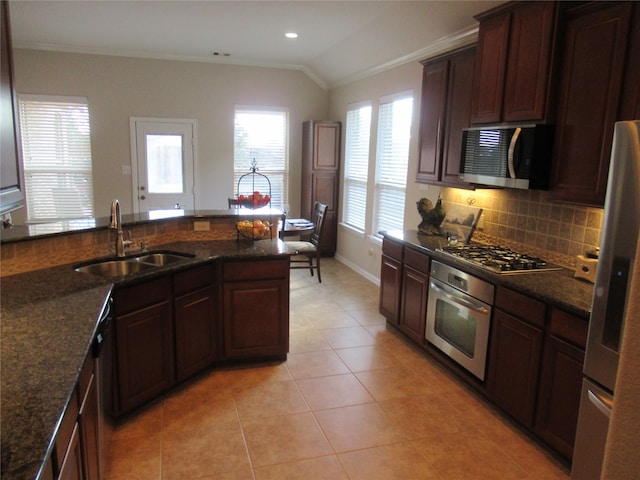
[(233, 203), (310, 249)]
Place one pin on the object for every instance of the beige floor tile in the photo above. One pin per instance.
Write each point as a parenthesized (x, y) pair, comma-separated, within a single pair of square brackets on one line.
[(315, 364), (368, 316), (145, 422), (360, 359), (135, 458), (257, 374), (390, 462), (287, 438), (205, 448), (334, 391), (340, 319), (348, 337), (321, 468), (394, 382), (307, 341), (359, 426), (269, 399)]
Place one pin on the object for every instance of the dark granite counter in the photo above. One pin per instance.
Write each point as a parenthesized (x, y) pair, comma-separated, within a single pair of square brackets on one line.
[(49, 319), (558, 288)]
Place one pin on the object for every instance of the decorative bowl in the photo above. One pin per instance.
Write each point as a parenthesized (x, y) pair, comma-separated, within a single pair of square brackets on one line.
[(254, 229)]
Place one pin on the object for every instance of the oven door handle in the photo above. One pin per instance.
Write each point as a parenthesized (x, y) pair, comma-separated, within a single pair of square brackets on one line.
[(461, 301)]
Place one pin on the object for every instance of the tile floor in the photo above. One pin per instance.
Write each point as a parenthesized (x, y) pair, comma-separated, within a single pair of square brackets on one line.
[(353, 401)]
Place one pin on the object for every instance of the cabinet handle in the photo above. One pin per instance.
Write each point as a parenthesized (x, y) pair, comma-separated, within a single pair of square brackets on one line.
[(460, 301), (512, 147), (603, 405)]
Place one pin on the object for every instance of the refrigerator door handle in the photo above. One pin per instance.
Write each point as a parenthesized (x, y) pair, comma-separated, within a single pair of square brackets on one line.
[(603, 405)]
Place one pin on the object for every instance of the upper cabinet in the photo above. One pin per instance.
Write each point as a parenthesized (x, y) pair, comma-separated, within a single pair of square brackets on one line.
[(514, 63), (599, 85), (444, 112), (11, 190)]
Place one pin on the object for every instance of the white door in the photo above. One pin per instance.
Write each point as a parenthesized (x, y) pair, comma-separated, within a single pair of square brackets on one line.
[(162, 164)]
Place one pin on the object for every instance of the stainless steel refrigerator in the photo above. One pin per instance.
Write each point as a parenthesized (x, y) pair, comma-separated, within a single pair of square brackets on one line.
[(611, 293)]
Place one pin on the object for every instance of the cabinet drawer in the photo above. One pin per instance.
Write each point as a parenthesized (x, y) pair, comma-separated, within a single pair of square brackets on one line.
[(417, 260), (255, 270), (392, 249), (66, 429), (523, 307), (142, 295), (569, 327), (85, 378), (194, 279)]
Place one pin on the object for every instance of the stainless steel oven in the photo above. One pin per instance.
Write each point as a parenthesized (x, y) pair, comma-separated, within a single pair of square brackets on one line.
[(459, 316)]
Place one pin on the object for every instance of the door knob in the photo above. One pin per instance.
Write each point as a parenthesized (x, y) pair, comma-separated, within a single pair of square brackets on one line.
[(142, 197)]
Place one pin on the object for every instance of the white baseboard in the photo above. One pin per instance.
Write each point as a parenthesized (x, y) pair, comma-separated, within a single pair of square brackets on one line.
[(357, 269)]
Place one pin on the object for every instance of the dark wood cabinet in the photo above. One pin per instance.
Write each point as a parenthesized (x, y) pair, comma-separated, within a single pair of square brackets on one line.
[(256, 309), (11, 188), (71, 467), (144, 342), (413, 296), (595, 60), (390, 281), (516, 348), (561, 381), (444, 112), (514, 63), (321, 176), (67, 454), (89, 420), (197, 331)]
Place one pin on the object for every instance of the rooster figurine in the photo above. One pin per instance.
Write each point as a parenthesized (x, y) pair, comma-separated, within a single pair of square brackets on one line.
[(432, 216)]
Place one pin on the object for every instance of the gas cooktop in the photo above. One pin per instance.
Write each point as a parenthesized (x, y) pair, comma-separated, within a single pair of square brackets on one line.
[(498, 259)]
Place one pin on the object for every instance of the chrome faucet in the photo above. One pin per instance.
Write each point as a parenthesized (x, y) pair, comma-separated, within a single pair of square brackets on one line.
[(116, 224)]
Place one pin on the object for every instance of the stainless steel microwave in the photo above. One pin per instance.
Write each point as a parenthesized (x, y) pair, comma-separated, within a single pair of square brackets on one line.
[(507, 156)]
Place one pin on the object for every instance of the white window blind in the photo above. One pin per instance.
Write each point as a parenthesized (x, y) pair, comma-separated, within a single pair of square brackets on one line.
[(394, 133), (56, 148), (356, 167), (261, 135)]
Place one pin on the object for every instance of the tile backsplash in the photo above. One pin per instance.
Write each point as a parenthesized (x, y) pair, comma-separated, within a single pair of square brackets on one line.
[(529, 220)]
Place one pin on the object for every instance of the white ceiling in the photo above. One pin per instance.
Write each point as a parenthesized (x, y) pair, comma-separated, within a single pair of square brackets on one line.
[(339, 41)]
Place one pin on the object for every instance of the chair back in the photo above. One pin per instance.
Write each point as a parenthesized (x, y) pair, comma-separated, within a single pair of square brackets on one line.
[(233, 203), (319, 210)]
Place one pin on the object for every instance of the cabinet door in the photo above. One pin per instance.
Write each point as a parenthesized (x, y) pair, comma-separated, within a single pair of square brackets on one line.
[(593, 61), (461, 67), (413, 304), (432, 117), (144, 346), (390, 283), (196, 332), (71, 467), (516, 348), (559, 395), (88, 421), (529, 61), (493, 41), (320, 176), (256, 318)]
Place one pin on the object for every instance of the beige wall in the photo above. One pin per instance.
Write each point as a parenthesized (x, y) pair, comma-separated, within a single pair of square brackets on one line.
[(119, 88)]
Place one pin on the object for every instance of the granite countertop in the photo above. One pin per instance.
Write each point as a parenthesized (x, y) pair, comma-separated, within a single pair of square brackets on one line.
[(49, 319), (558, 288)]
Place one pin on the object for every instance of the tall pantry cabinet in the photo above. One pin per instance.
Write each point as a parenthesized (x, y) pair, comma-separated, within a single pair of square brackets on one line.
[(321, 176)]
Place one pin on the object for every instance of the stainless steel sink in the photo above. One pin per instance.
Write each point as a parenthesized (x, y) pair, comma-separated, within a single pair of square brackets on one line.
[(162, 258), (122, 267)]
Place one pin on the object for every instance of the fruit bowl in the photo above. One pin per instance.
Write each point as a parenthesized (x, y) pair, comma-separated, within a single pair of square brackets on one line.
[(255, 200), (254, 229)]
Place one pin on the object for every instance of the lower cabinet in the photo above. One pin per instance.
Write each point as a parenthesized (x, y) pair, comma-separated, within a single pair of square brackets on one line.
[(89, 420), (391, 281), (67, 458), (515, 352), (256, 309), (144, 342), (561, 381), (413, 297)]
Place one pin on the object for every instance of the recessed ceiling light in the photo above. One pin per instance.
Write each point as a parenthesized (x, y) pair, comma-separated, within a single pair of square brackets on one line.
[(291, 35)]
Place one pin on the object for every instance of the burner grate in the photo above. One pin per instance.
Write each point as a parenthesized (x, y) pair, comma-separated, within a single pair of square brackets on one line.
[(498, 259)]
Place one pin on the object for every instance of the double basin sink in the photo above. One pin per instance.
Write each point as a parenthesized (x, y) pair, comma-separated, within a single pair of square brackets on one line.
[(122, 267)]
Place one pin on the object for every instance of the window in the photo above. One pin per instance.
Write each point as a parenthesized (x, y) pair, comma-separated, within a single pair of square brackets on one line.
[(56, 148), (356, 166), (261, 135), (394, 132)]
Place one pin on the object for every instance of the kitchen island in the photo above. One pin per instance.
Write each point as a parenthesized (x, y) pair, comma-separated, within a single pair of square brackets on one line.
[(49, 319)]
